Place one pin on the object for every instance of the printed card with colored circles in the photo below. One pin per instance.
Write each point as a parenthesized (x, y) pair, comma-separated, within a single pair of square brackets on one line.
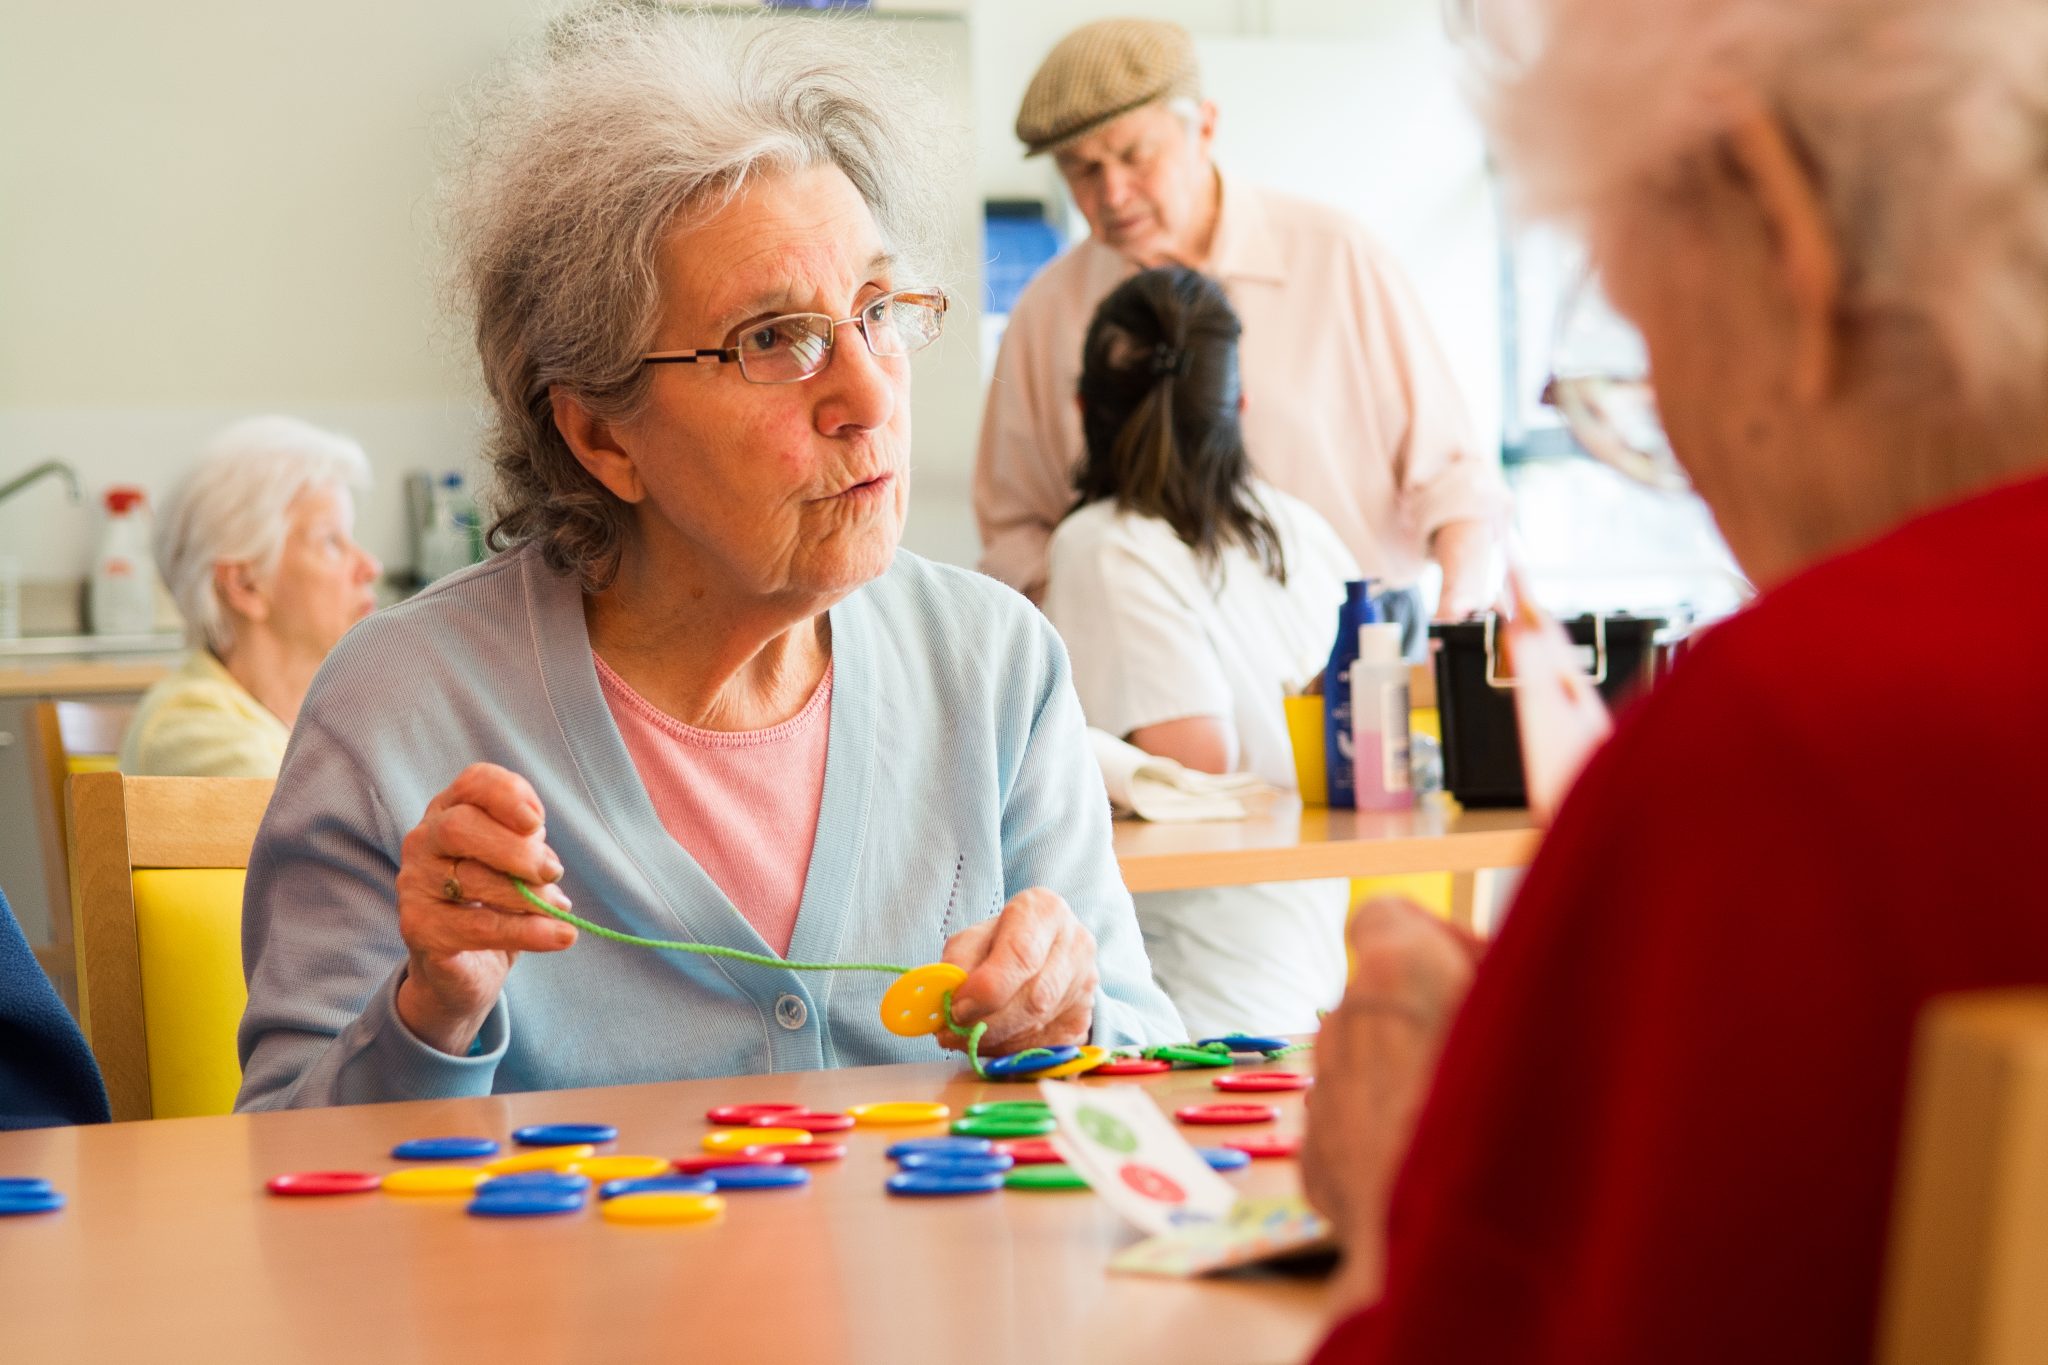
[(1128, 1151)]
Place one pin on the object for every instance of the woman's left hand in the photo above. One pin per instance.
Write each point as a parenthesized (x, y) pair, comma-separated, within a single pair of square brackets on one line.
[(1030, 976)]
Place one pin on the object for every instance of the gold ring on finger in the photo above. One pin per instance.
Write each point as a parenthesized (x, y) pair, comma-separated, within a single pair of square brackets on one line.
[(451, 888)]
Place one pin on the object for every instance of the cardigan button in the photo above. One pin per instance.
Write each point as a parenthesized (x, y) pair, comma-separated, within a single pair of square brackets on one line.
[(790, 1012)]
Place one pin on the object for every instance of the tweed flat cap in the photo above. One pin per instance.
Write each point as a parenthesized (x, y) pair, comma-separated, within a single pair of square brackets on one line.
[(1102, 71)]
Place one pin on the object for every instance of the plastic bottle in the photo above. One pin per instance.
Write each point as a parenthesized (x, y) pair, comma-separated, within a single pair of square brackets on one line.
[(1379, 721), (123, 598), (1358, 610), (447, 542)]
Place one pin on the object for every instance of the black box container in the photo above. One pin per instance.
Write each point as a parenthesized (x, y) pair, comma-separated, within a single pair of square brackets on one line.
[(1476, 698)]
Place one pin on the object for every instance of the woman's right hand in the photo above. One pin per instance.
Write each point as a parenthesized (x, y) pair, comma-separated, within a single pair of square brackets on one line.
[(463, 922)]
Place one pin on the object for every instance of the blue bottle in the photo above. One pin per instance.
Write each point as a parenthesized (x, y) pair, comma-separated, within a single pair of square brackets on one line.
[(1359, 609)]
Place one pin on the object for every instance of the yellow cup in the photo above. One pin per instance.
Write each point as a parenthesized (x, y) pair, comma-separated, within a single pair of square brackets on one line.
[(1305, 729)]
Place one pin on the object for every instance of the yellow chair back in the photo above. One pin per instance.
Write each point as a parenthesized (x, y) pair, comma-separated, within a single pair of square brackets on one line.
[(188, 932)]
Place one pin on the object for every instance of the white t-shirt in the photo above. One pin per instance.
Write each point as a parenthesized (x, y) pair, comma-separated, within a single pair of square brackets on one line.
[(1153, 638)]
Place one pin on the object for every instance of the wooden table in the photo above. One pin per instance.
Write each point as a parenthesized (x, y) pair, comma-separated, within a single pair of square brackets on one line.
[(1291, 842), (170, 1250)]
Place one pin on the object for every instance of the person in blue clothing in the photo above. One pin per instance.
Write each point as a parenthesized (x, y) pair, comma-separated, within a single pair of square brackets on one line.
[(47, 1074)]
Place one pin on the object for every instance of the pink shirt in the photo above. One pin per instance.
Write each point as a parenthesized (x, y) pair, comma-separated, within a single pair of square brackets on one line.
[(744, 804), (1349, 404)]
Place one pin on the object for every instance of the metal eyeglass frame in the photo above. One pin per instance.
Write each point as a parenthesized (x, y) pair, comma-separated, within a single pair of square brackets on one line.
[(935, 299)]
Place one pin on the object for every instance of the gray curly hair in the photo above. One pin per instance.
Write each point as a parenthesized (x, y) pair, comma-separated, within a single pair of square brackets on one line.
[(577, 160)]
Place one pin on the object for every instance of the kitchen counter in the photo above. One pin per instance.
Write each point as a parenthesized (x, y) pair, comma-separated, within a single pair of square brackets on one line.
[(85, 665)]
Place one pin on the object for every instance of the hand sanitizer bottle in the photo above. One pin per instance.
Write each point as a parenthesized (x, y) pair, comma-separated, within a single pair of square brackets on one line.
[(123, 597), (1379, 721)]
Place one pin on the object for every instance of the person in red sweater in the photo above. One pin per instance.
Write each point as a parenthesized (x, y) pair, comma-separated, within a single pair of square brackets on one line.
[(1658, 1120)]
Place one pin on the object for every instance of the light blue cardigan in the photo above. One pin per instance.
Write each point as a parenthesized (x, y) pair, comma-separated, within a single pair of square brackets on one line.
[(957, 774)]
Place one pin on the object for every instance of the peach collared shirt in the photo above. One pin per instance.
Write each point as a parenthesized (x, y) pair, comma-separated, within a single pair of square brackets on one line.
[(1350, 405)]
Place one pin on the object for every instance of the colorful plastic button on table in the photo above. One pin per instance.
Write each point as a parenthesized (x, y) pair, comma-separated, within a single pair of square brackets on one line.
[(1004, 1125), (740, 1115), (1247, 1042), (1266, 1145), (1242, 1112), (1189, 1056), (1009, 1108), (657, 1184), (35, 1184), (1133, 1066), (1033, 1062), (603, 1168), (652, 1209), (735, 1139), (1054, 1176), (758, 1177), (959, 1163), (898, 1113), (1091, 1057), (1224, 1158), (965, 1146), (810, 1153), (943, 1182), (1263, 1081), (523, 1203), (324, 1182), (546, 1159), (1030, 1152), (809, 1122), (435, 1180), (704, 1165), (563, 1134), (16, 1202), (915, 1004), (445, 1149), (556, 1182)]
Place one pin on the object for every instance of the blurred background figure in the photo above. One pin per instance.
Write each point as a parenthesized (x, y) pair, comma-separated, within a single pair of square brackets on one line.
[(258, 548), (1193, 597)]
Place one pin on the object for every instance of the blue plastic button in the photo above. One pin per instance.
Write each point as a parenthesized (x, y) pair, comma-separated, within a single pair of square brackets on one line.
[(547, 1182), (1224, 1158), (944, 1182), (1247, 1042), (528, 1203), (444, 1149), (29, 1201), (757, 1177), (958, 1163), (657, 1184), (564, 1134), (34, 1184), (959, 1146), (1032, 1061)]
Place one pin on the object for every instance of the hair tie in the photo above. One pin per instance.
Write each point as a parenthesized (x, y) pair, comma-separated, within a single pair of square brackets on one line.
[(1171, 360)]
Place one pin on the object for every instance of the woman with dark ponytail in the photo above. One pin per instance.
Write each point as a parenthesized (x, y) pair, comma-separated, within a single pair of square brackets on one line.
[(1193, 597)]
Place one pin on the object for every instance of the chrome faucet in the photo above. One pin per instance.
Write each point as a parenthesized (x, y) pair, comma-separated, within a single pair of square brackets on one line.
[(46, 468)]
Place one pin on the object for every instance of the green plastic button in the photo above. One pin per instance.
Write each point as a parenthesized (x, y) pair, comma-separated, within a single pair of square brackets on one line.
[(1010, 1109), (1011, 1125), (1049, 1176), (1190, 1056)]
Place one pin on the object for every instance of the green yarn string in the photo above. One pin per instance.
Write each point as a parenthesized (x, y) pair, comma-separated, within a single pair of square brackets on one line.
[(973, 1035)]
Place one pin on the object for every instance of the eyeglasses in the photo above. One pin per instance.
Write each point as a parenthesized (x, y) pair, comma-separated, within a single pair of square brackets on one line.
[(1600, 385), (797, 346)]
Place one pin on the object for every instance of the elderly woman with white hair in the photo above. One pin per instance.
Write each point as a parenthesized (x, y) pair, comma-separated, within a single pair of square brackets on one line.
[(702, 696), (1659, 1119), (257, 546)]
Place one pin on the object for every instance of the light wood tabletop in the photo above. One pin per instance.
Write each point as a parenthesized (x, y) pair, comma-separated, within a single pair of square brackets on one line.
[(170, 1250), (1290, 842)]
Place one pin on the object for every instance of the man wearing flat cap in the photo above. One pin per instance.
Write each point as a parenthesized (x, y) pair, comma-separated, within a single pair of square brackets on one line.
[(1349, 403)]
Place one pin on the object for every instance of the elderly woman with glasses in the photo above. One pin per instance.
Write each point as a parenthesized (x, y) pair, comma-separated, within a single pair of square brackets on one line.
[(1659, 1119), (702, 696)]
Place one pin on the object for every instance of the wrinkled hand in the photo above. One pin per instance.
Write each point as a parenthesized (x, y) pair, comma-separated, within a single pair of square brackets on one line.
[(485, 829), (1030, 976), (1374, 1058)]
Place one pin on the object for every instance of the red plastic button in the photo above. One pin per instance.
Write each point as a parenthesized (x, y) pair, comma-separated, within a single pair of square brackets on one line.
[(1132, 1066), (1030, 1152), (804, 1119), (1265, 1145), (740, 1115), (803, 1155), (1263, 1080), (758, 1156), (1227, 1113), (325, 1182)]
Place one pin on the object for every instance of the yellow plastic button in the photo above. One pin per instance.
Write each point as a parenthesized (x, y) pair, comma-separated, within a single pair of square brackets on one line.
[(662, 1208), (603, 1168), (916, 1004), (1090, 1058), (542, 1159), (435, 1180), (739, 1139), (893, 1113)]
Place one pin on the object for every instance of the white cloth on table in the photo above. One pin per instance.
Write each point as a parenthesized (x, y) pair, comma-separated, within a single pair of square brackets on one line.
[(1155, 788)]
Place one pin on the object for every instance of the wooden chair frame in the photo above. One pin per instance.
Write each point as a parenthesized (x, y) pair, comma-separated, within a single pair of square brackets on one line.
[(57, 731), (120, 824)]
